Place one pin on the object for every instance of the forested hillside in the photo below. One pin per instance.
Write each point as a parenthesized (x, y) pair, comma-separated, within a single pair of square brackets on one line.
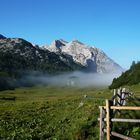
[(130, 77)]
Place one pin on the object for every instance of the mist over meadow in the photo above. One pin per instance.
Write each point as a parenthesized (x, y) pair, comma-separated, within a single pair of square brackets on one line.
[(72, 79)]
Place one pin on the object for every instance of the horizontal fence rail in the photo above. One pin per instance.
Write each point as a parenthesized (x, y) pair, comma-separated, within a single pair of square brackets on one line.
[(120, 135), (122, 120), (124, 107)]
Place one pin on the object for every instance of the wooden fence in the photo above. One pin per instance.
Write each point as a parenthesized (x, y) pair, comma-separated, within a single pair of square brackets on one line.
[(107, 113)]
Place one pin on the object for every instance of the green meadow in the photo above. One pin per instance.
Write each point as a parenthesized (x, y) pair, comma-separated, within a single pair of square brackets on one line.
[(52, 113)]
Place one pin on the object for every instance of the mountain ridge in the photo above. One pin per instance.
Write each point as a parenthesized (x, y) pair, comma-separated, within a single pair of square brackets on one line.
[(60, 54), (86, 55)]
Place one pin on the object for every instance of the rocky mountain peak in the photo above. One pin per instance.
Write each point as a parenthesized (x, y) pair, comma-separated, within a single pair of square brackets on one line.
[(77, 42), (85, 55), (63, 41), (58, 43)]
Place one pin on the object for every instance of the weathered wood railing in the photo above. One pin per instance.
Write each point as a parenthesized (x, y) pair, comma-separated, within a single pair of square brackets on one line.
[(107, 113)]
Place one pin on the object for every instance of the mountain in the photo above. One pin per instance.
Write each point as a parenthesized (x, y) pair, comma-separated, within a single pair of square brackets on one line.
[(94, 59), (19, 58), (130, 77), (17, 54)]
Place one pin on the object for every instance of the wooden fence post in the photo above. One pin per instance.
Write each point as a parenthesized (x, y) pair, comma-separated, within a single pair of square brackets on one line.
[(123, 96), (102, 117), (120, 95), (114, 100), (108, 119)]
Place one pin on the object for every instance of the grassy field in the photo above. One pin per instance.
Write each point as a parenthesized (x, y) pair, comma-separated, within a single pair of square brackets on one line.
[(54, 113)]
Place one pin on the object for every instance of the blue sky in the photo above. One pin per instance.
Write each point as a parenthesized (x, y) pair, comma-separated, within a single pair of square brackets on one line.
[(112, 25)]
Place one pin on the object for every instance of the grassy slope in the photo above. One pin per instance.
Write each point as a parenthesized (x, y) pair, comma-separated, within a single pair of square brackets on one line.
[(51, 113)]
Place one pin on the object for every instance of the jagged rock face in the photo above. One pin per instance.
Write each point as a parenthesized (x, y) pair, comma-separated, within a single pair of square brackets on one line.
[(103, 62), (91, 57), (56, 46), (78, 51)]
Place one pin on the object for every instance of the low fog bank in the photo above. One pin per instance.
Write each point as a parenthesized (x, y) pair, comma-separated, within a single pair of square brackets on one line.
[(73, 79)]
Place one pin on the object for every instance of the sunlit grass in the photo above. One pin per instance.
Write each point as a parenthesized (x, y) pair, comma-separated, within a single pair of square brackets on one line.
[(45, 112)]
